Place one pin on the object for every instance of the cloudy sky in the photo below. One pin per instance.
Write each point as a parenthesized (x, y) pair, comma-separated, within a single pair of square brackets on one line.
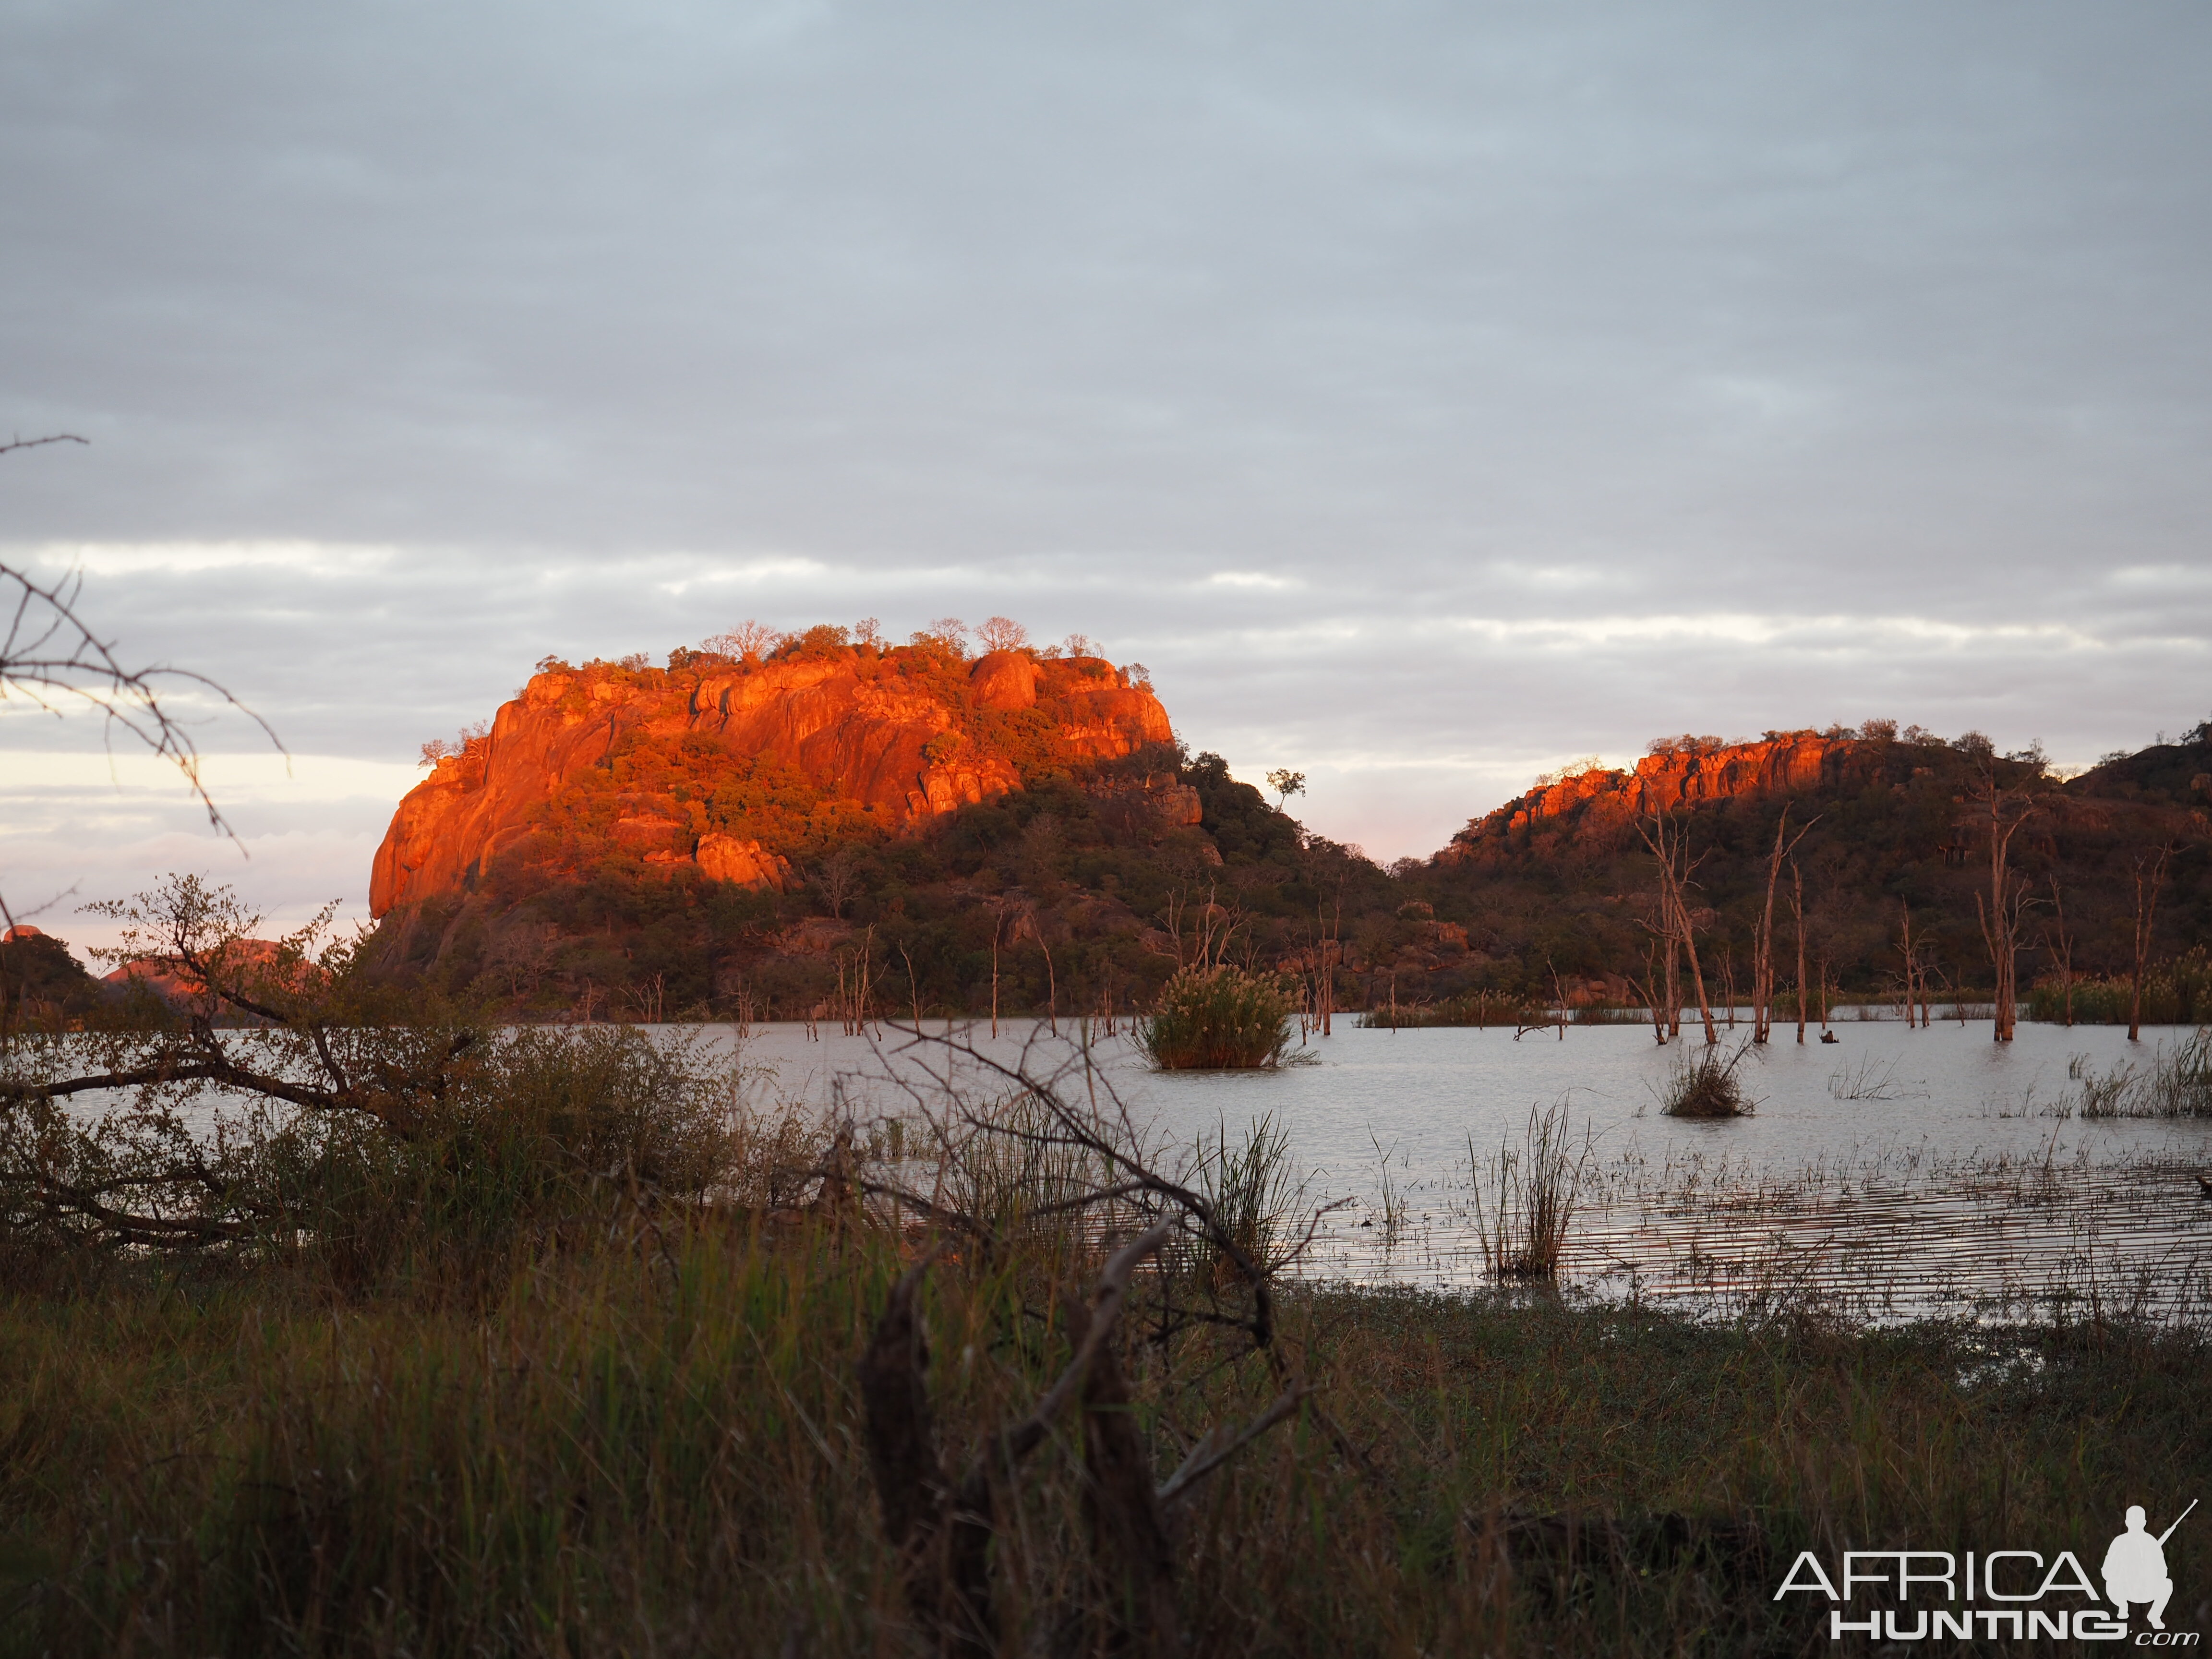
[(1427, 394)]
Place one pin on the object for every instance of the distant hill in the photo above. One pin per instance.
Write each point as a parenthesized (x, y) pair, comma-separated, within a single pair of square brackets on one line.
[(729, 830), (39, 980), (1560, 875), (753, 833)]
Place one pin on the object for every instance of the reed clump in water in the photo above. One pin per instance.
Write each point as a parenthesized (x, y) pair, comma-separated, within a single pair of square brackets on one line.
[(1706, 1087), (1217, 1019), (1525, 1196), (2178, 1083)]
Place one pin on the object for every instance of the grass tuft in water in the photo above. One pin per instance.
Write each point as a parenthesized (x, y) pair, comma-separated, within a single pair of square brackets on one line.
[(1531, 1192), (2178, 1083), (1707, 1086)]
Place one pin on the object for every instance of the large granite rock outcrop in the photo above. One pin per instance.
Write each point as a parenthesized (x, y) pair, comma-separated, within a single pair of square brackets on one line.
[(905, 736)]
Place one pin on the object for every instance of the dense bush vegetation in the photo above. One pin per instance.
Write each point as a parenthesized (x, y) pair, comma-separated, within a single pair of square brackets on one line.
[(1704, 1084), (2174, 992)]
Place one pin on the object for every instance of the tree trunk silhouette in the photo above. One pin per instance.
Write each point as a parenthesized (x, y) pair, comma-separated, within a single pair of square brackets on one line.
[(1762, 970), (2061, 949), (2150, 873), (2007, 902), (1797, 908)]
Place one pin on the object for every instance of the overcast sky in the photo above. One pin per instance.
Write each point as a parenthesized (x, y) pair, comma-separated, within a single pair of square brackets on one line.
[(1428, 394)]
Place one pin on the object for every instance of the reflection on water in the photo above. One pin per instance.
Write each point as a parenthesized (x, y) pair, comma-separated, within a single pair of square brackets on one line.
[(1894, 1172)]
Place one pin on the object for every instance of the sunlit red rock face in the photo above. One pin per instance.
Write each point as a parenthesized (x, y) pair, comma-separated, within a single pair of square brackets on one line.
[(889, 739), (1601, 801)]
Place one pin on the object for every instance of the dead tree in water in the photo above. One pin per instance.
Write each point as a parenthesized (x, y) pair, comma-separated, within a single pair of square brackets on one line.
[(998, 908), (1916, 975), (2150, 873), (1797, 910), (2060, 943), (1328, 943), (1650, 986), (1762, 961), (1669, 844), (2008, 901)]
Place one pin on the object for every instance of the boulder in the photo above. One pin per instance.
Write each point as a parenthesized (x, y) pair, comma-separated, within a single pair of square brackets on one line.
[(747, 863)]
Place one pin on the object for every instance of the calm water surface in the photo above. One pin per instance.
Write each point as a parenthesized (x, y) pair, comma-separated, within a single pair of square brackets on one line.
[(1897, 1171)]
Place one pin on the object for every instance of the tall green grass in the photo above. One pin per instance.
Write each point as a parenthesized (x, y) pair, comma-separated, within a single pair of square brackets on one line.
[(655, 1446), (1525, 1196)]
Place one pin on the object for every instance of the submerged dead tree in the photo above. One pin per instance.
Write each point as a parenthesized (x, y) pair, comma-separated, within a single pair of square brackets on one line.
[(1762, 970), (1669, 845), (1797, 915), (2148, 871), (2007, 902), (1915, 974)]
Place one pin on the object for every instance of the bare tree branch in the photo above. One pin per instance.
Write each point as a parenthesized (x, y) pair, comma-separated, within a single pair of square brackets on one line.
[(51, 657)]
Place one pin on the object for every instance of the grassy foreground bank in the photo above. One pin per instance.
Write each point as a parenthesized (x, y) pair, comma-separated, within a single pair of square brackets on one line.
[(358, 1323), (653, 1443)]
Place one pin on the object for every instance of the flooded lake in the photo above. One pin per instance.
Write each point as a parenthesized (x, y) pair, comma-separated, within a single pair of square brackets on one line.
[(1892, 1173)]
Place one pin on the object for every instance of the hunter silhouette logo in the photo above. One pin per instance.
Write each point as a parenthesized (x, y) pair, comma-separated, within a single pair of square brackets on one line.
[(2009, 1595), (2134, 1567)]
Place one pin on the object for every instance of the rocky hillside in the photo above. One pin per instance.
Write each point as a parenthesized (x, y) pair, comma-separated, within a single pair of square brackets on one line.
[(1679, 774), (758, 834), (1559, 878), (730, 770)]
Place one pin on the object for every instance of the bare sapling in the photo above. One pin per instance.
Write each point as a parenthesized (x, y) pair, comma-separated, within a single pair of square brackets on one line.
[(1648, 987), (2060, 943), (2148, 872), (998, 927), (1798, 911)]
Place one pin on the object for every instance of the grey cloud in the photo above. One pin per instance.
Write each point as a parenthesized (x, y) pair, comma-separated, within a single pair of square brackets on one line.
[(609, 324)]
